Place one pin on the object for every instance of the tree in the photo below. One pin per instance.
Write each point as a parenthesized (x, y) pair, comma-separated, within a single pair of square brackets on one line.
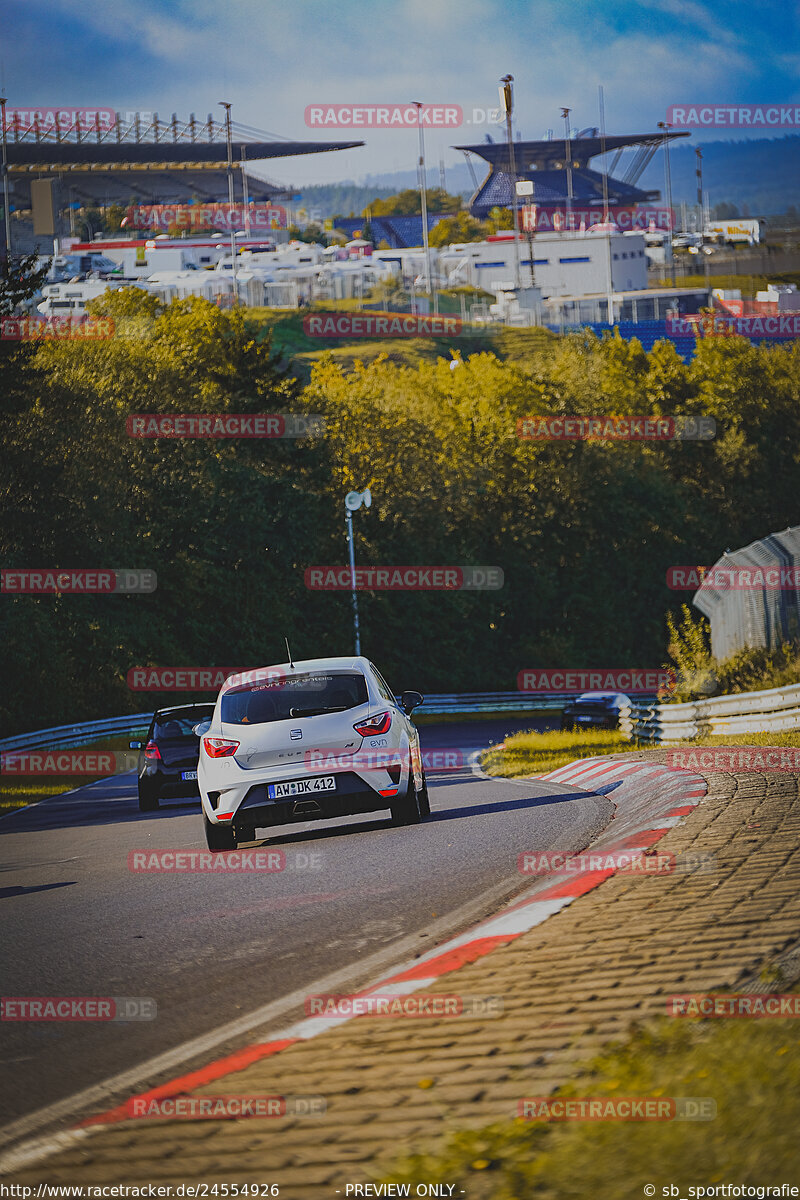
[(500, 218), (409, 203), (725, 211), (583, 530), (313, 234), (20, 280), (114, 216), (460, 228), (90, 222)]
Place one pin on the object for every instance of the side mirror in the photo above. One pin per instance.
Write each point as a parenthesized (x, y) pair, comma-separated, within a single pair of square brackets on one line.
[(411, 700), (202, 727), (135, 745)]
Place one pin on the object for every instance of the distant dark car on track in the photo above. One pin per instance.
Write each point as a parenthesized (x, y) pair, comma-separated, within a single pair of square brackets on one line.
[(168, 755), (598, 710)]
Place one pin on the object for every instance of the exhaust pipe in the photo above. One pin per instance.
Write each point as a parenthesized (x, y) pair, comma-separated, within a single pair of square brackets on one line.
[(305, 806)]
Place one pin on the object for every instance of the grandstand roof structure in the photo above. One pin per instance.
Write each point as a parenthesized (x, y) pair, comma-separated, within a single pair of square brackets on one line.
[(150, 161), (545, 164), (399, 232)]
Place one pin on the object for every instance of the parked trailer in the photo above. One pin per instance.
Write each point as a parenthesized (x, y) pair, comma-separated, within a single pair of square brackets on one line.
[(740, 231)]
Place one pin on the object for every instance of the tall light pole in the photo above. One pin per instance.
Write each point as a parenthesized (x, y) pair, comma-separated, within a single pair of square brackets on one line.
[(606, 215), (668, 181), (568, 160), (525, 187), (507, 100), (245, 198), (698, 154), (6, 213), (227, 108), (352, 503), (423, 197)]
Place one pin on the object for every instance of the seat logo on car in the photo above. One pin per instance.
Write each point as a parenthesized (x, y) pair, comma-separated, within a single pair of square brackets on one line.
[(294, 734)]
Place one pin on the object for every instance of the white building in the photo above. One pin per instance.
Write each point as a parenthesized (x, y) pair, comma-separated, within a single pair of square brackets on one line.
[(564, 264)]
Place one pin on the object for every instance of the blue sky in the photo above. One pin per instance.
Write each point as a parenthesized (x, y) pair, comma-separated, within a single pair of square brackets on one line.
[(271, 58)]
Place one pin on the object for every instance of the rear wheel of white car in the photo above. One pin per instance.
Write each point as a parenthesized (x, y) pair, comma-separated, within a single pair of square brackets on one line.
[(219, 837), (406, 809)]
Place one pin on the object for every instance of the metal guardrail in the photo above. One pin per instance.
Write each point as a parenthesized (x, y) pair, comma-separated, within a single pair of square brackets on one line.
[(478, 702), (773, 710), (64, 736)]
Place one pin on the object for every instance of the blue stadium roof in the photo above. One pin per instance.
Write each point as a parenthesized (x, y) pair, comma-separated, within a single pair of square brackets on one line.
[(544, 163), (399, 233), (550, 188)]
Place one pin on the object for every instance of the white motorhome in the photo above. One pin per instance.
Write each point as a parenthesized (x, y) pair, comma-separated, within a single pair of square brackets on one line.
[(140, 262), (74, 266), (72, 298), (296, 254)]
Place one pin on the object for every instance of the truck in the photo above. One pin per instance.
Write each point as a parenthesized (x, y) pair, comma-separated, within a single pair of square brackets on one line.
[(741, 230)]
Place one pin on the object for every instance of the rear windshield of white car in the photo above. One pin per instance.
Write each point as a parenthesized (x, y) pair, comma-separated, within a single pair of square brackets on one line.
[(301, 696)]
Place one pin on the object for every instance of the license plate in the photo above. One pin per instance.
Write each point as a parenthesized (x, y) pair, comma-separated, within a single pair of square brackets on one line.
[(188, 774), (301, 787)]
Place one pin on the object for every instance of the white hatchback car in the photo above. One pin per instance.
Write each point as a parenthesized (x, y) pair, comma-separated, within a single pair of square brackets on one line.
[(308, 741)]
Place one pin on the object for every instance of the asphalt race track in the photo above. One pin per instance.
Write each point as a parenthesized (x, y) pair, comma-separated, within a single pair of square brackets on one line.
[(356, 896)]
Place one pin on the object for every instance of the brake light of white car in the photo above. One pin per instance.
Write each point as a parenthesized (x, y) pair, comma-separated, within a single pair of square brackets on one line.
[(219, 747), (373, 725)]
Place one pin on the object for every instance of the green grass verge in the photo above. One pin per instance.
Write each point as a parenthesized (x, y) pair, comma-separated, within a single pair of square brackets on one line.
[(291, 341), (18, 791), (536, 753), (750, 1068), (747, 284)]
